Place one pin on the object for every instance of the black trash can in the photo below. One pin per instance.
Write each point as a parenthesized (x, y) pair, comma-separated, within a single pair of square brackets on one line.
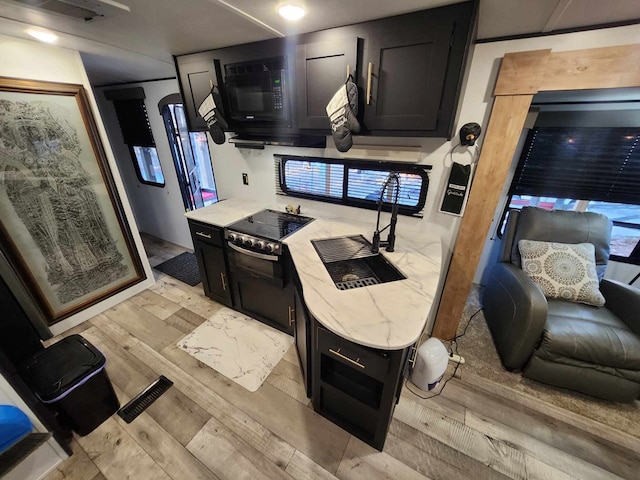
[(70, 377)]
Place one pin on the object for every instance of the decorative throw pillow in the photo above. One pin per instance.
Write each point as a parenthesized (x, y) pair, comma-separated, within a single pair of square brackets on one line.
[(562, 270)]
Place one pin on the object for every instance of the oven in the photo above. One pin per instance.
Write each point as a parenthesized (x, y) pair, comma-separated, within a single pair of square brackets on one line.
[(267, 267), (259, 280)]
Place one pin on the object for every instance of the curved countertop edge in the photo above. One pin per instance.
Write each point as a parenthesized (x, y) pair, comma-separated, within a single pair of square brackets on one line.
[(388, 316)]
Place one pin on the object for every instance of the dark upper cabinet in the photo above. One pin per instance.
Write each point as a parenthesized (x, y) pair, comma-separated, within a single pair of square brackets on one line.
[(413, 70), (410, 70), (405, 74), (197, 76), (321, 68)]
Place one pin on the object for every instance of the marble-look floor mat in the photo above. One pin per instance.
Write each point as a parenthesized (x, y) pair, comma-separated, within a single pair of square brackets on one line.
[(240, 348)]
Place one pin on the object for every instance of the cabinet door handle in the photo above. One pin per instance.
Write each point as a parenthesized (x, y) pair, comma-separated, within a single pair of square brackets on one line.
[(223, 279), (344, 357), (369, 75), (348, 71), (292, 317), (202, 234)]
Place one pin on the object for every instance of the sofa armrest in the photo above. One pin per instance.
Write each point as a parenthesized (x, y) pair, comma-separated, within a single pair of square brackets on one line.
[(516, 311), (624, 301)]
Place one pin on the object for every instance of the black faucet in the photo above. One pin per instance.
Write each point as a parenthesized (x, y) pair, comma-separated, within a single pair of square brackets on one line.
[(391, 239)]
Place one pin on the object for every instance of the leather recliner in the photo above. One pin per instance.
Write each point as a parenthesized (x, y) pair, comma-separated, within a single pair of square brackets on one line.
[(593, 350)]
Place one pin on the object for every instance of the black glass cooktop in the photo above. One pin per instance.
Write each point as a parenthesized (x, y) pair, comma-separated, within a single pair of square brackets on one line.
[(270, 224)]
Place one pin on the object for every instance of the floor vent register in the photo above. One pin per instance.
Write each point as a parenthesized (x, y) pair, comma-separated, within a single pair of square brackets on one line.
[(144, 399)]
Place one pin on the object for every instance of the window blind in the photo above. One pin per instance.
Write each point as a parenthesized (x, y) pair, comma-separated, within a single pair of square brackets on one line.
[(352, 182), (581, 163), (132, 116)]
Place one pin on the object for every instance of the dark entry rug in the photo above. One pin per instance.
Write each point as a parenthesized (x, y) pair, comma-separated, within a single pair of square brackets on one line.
[(184, 267)]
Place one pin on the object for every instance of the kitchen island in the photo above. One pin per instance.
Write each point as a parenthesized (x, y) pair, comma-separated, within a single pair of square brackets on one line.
[(354, 345)]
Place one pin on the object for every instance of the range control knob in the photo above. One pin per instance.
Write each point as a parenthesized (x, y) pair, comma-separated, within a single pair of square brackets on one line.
[(250, 241), (270, 247), (242, 240), (232, 237), (260, 245)]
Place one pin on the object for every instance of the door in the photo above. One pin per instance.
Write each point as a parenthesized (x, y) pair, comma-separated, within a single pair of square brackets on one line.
[(191, 167), (405, 77), (321, 69), (191, 157)]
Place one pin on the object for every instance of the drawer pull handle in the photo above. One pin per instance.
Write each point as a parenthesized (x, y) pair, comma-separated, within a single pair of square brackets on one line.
[(369, 75), (202, 234), (344, 357), (223, 280)]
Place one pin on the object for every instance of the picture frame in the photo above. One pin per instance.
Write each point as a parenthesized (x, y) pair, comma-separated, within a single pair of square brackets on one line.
[(63, 228)]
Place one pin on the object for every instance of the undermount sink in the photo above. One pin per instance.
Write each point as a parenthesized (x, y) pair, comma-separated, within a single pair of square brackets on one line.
[(351, 264)]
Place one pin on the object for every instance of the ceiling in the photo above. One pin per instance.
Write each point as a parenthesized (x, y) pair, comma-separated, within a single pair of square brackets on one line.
[(139, 44)]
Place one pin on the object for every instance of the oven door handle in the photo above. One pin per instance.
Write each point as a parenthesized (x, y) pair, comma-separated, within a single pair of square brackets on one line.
[(263, 256)]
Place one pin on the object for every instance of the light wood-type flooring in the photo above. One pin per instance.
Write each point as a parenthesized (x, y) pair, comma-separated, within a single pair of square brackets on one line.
[(208, 427)]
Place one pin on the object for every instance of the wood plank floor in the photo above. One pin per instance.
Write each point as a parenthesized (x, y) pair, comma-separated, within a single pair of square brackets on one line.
[(208, 427)]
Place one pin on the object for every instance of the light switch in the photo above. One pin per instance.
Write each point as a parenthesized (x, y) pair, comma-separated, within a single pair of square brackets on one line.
[(245, 179)]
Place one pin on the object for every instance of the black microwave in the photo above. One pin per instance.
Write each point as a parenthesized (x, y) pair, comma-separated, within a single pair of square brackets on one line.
[(257, 91)]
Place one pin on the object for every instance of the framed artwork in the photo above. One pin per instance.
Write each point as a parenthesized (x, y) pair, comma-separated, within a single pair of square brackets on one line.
[(62, 224)]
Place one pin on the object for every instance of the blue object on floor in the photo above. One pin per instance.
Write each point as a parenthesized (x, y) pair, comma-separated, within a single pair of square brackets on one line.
[(14, 426)]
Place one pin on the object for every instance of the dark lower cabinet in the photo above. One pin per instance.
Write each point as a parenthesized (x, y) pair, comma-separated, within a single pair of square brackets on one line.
[(355, 387), (268, 301), (302, 336), (212, 262)]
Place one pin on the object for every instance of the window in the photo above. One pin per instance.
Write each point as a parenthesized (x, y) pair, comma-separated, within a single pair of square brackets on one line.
[(148, 165), (585, 169), (136, 132), (353, 182)]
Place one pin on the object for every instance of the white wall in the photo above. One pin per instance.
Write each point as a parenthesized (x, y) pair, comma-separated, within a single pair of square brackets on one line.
[(42, 460), (159, 211), (36, 61), (477, 99)]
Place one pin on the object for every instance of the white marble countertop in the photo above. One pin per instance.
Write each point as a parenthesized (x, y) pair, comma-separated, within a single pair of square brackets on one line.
[(225, 212), (387, 316)]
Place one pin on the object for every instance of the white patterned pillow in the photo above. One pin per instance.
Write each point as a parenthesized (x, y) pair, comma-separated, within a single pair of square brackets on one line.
[(562, 270)]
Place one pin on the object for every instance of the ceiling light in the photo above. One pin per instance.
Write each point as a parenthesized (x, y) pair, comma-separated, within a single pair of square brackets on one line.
[(43, 36), (291, 12)]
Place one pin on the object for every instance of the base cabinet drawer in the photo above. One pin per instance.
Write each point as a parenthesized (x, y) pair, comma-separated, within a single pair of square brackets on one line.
[(370, 362), (206, 233)]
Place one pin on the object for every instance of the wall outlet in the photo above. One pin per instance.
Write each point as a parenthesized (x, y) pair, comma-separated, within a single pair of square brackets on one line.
[(245, 179)]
